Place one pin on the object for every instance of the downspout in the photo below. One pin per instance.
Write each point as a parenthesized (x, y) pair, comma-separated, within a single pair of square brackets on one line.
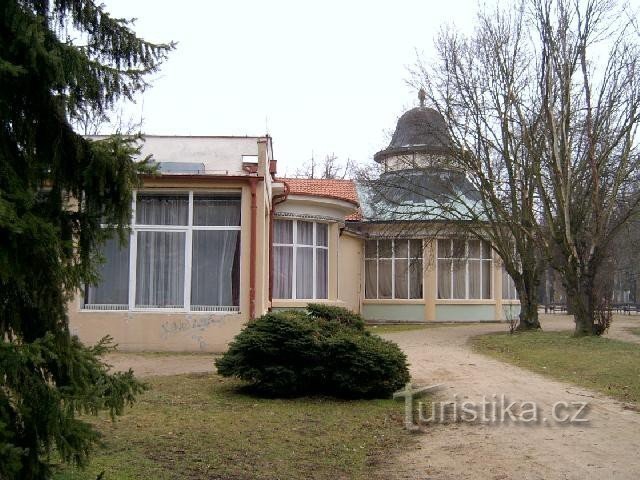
[(277, 199), (253, 248)]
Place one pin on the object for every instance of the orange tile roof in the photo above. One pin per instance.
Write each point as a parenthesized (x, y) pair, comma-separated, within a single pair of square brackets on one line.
[(340, 189)]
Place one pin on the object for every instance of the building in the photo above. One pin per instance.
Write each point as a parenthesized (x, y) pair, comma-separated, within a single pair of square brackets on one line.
[(217, 239)]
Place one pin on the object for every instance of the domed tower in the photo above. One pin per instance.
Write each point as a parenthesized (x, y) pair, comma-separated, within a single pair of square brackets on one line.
[(421, 139)]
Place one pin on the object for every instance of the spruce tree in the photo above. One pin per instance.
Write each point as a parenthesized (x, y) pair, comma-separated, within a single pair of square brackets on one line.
[(59, 59)]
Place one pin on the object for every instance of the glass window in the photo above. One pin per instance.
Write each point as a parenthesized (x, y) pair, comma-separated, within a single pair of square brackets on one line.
[(159, 209), (300, 259), (165, 225), (160, 270), (112, 291), (393, 269), (464, 269)]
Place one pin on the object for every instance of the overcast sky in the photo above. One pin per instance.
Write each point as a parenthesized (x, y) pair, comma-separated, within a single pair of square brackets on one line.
[(319, 77)]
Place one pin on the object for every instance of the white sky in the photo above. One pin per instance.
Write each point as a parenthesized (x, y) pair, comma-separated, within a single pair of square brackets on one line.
[(327, 76)]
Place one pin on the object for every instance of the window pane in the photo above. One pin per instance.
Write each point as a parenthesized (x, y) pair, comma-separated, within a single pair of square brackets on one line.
[(444, 249), (282, 272), (415, 279), (401, 248), (160, 270), (384, 248), (370, 249), (371, 278), (283, 231), (459, 248), (322, 234), (444, 278), (215, 270), (474, 278), (474, 248), (486, 250), (508, 287), (384, 279), (486, 279), (459, 277), (322, 277), (160, 209), (401, 279), (113, 288), (304, 272), (305, 233), (415, 248), (216, 210)]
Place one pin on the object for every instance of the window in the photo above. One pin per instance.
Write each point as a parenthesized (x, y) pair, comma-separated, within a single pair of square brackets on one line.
[(184, 254), (508, 287), (300, 259), (393, 269), (464, 269)]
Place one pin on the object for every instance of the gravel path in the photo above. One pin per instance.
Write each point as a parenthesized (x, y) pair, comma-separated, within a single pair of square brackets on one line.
[(608, 447)]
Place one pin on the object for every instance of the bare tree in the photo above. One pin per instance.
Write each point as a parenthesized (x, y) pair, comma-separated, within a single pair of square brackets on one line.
[(328, 168), (584, 136), (479, 83)]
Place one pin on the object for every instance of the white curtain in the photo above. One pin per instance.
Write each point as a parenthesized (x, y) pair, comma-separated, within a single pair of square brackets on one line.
[(304, 272), (474, 277), (215, 271), (415, 278), (157, 209), (371, 279), (486, 279), (459, 277), (160, 269), (385, 278), (113, 287), (305, 233), (444, 278), (283, 231), (401, 278), (282, 272), (322, 277), (322, 234), (216, 210)]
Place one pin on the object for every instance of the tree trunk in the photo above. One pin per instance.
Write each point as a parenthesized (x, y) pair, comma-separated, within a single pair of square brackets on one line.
[(528, 310), (581, 297)]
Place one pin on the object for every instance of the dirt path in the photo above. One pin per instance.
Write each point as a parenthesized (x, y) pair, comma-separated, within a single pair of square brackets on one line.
[(157, 364), (608, 447)]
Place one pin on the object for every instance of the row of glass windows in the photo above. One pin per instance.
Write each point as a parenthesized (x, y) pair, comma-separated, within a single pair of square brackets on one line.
[(464, 269), (183, 252), (393, 269)]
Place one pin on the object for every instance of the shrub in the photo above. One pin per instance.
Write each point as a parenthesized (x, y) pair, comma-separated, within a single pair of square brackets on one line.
[(339, 314), (293, 353)]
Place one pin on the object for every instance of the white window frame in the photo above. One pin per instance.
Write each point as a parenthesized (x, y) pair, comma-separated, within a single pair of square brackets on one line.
[(315, 247), (188, 231), (466, 260), (393, 259)]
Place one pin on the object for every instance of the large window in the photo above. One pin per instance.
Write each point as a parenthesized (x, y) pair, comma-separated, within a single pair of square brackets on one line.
[(393, 269), (300, 259), (184, 254), (464, 269)]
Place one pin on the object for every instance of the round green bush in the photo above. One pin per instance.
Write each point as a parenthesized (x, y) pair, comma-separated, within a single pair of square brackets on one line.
[(296, 353)]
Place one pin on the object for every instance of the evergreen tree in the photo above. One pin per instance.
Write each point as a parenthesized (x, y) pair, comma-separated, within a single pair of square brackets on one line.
[(56, 189)]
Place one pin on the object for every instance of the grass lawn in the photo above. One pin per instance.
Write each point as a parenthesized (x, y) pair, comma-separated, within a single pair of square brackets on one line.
[(635, 330), (200, 426), (602, 364)]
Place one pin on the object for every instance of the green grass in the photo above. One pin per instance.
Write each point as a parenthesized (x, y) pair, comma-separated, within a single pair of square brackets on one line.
[(602, 364), (635, 330), (201, 426)]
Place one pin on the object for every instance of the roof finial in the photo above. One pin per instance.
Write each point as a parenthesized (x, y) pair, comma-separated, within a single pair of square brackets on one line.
[(421, 96)]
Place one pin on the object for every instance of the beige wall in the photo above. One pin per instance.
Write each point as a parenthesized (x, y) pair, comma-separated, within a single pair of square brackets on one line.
[(350, 255)]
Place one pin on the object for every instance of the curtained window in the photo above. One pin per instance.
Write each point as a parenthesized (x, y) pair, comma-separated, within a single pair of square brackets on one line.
[(508, 287), (184, 254), (464, 269), (300, 259), (393, 269)]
